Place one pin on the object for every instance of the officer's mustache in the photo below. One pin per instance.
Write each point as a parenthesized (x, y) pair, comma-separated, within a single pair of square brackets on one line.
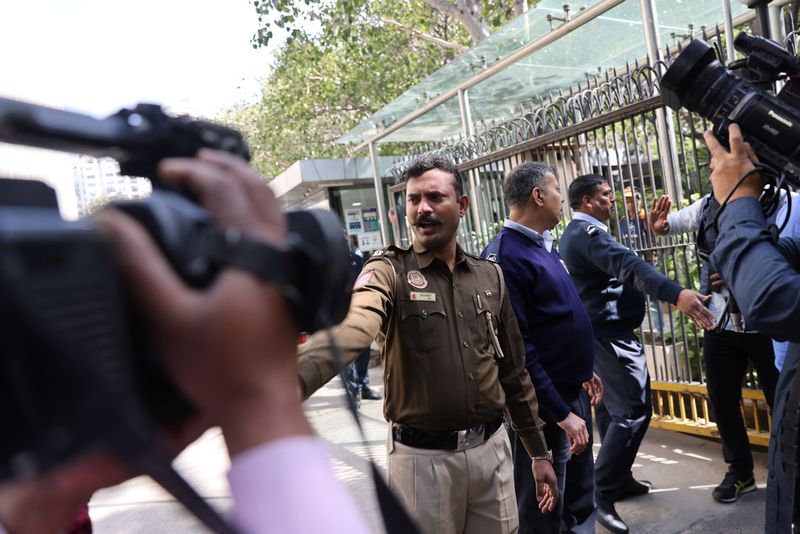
[(426, 219)]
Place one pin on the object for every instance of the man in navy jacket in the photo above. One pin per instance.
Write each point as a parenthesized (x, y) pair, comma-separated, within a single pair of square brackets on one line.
[(558, 345), (611, 280)]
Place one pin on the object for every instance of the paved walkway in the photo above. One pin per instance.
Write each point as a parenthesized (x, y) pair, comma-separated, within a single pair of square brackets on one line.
[(684, 469)]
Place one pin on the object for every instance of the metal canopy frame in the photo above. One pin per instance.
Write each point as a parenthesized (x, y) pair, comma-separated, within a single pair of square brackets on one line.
[(587, 15)]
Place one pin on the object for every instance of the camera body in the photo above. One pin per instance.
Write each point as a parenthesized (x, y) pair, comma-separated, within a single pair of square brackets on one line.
[(77, 369), (770, 123)]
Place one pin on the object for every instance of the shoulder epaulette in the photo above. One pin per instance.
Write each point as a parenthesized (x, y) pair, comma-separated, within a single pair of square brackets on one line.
[(387, 252), (493, 248), (592, 230)]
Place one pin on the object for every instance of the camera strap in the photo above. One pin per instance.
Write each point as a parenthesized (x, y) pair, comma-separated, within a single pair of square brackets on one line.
[(234, 248)]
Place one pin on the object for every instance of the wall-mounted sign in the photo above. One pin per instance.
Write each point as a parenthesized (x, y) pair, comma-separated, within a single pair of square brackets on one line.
[(354, 221)]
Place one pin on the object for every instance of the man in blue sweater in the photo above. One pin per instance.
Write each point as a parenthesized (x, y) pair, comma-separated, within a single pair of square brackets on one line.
[(559, 346), (611, 280)]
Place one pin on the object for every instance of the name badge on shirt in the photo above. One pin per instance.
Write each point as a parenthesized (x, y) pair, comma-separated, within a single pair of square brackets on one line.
[(423, 296)]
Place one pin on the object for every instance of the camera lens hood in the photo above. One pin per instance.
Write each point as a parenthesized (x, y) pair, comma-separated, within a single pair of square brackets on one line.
[(683, 73)]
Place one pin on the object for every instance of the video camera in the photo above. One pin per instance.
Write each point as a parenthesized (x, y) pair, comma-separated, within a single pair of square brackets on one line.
[(770, 123), (77, 370)]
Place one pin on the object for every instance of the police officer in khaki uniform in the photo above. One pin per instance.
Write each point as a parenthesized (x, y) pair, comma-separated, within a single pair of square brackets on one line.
[(453, 360)]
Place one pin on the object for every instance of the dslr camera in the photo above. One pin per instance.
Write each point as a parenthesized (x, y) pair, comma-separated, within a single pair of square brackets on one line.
[(697, 81), (77, 370)]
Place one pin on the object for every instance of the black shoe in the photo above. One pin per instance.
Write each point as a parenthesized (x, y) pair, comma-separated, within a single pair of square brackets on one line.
[(634, 488), (608, 517), (368, 393), (356, 396), (732, 486)]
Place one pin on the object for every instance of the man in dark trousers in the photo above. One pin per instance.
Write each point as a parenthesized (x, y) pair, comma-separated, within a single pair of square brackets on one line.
[(611, 280), (729, 350), (357, 373), (559, 347)]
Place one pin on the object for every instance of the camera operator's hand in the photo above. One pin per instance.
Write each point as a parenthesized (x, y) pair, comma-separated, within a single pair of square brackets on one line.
[(728, 167), (691, 303), (231, 348), (658, 215)]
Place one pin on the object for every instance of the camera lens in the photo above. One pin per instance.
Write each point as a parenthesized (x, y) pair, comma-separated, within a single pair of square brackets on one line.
[(697, 81)]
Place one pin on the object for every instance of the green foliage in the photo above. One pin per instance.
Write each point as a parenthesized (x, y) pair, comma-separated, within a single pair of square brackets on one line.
[(360, 55)]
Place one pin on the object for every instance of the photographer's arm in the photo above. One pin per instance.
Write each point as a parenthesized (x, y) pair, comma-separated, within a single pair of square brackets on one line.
[(765, 284), (664, 222)]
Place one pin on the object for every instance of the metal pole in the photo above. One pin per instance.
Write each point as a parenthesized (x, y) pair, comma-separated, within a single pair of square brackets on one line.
[(466, 129), (379, 194), (587, 15), (466, 115), (727, 21), (665, 128), (776, 23), (776, 30)]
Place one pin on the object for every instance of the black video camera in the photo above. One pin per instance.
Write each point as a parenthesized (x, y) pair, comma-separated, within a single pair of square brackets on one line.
[(77, 370), (771, 124)]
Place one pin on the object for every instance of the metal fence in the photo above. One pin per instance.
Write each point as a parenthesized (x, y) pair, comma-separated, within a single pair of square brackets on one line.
[(613, 124)]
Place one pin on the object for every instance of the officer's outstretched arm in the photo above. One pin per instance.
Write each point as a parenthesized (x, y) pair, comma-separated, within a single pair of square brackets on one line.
[(370, 306)]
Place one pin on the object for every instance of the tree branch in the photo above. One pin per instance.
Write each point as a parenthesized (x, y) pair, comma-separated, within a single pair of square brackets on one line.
[(477, 30), (422, 35)]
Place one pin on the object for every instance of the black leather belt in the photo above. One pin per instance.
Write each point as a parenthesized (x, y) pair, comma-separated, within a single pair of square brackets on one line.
[(455, 440)]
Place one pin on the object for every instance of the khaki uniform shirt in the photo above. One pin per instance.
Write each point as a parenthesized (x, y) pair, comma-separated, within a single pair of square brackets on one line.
[(441, 368)]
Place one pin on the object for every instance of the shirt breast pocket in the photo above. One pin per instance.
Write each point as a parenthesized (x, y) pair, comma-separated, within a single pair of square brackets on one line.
[(423, 325)]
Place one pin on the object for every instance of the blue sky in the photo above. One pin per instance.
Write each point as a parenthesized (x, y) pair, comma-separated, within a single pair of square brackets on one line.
[(95, 56)]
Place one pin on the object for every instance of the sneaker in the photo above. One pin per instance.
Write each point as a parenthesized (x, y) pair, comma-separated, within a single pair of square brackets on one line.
[(732, 486)]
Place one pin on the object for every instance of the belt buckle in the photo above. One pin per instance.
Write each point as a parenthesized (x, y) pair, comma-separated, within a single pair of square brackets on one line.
[(471, 437)]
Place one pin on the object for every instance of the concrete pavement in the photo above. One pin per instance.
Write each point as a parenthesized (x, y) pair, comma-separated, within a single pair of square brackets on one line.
[(684, 469)]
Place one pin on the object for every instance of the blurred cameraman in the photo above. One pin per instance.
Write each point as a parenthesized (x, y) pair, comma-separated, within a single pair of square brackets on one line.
[(213, 343), (762, 273)]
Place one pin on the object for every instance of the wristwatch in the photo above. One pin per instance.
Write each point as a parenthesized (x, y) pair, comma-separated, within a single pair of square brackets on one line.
[(546, 456)]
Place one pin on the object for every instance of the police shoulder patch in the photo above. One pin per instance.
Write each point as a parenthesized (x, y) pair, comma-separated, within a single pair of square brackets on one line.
[(492, 256), (592, 230)]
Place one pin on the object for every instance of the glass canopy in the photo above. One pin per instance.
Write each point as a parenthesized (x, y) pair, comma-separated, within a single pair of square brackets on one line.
[(608, 41)]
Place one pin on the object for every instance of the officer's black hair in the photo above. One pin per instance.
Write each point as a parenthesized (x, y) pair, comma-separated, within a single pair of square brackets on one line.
[(523, 179), (426, 162), (583, 186)]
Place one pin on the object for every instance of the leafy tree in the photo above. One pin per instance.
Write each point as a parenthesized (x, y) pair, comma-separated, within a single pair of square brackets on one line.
[(362, 55)]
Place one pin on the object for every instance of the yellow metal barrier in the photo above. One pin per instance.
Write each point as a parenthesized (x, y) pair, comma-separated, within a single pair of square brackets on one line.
[(684, 407)]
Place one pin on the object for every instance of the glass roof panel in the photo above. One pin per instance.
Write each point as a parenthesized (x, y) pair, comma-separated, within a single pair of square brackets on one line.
[(609, 41)]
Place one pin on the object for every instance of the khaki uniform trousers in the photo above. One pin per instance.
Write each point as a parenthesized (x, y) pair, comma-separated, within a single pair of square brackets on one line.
[(457, 492)]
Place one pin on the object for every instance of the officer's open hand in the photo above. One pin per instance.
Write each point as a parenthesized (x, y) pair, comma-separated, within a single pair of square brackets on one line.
[(691, 303), (578, 436), (729, 166), (658, 214), (546, 485)]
